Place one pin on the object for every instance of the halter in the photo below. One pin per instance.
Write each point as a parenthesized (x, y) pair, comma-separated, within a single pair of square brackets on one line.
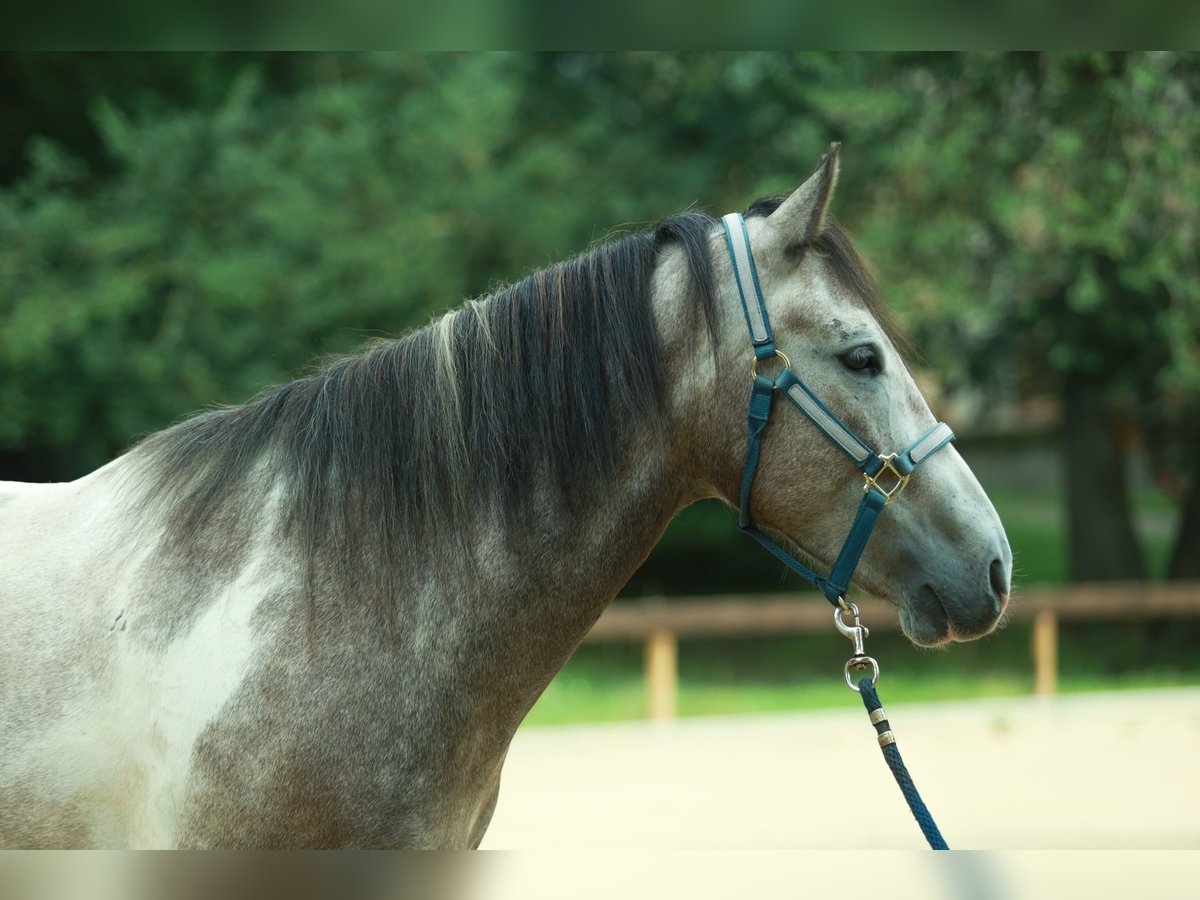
[(885, 477)]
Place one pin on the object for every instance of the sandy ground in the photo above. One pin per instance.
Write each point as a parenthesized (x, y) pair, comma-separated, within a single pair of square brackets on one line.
[(1115, 770)]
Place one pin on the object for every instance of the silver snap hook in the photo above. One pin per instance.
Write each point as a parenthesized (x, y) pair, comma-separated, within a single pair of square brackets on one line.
[(856, 633)]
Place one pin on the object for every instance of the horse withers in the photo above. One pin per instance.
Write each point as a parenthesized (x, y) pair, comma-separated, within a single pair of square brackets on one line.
[(317, 619)]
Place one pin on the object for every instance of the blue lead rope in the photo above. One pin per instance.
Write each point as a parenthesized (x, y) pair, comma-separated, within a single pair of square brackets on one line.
[(891, 753), (885, 477)]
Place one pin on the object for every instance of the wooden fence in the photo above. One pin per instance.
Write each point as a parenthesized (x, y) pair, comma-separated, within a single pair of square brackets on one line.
[(661, 624)]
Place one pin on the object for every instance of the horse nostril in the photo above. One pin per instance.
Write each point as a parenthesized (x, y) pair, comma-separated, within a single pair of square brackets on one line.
[(998, 575)]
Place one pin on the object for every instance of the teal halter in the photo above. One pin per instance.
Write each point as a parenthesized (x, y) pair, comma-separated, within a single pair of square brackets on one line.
[(885, 474)]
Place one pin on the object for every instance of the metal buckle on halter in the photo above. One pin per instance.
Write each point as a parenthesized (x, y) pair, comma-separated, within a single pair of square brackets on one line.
[(787, 363), (892, 491), (856, 633)]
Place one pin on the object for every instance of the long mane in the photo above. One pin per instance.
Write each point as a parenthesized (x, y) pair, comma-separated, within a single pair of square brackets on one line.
[(381, 450), (387, 452)]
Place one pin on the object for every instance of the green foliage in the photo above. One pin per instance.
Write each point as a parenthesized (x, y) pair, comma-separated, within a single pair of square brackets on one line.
[(1058, 215), (215, 247), (216, 251)]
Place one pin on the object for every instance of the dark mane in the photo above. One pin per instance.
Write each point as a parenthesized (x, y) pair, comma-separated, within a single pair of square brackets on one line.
[(382, 454), (380, 450)]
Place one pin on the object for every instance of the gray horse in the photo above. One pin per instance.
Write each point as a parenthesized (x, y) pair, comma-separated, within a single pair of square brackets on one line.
[(316, 620)]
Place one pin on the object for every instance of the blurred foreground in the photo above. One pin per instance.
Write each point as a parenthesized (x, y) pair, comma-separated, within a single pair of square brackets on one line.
[(598, 875)]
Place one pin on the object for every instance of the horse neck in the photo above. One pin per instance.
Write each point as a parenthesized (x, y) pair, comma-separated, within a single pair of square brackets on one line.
[(565, 565), (587, 548), (535, 584), (592, 549)]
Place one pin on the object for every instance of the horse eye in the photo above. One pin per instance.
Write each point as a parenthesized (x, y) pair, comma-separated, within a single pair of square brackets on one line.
[(862, 359)]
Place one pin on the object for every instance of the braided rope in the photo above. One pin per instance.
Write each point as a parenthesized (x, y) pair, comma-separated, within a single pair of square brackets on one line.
[(891, 754)]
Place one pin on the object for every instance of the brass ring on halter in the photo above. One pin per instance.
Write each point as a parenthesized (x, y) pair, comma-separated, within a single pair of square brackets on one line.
[(787, 363)]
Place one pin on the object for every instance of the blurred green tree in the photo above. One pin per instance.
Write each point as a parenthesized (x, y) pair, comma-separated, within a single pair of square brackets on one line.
[(219, 226), (215, 249)]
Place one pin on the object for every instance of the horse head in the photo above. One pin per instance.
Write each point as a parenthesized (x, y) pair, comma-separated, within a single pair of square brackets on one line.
[(939, 552)]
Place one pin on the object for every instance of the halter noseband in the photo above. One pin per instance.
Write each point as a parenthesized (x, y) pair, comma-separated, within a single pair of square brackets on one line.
[(885, 475)]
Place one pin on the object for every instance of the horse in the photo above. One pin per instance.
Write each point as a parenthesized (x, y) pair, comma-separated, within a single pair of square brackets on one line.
[(317, 619)]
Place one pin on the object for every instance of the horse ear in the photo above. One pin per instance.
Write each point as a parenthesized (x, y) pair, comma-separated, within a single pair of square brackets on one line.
[(801, 217)]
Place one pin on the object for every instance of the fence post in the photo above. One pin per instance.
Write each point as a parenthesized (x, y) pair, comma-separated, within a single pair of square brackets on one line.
[(1045, 652), (662, 673)]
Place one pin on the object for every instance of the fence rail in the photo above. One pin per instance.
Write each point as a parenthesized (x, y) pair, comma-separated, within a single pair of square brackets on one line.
[(661, 624)]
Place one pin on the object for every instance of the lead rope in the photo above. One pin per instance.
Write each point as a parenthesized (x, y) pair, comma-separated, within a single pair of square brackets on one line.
[(887, 739)]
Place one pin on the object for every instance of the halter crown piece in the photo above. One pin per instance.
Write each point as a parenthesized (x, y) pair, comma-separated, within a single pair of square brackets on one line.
[(884, 475)]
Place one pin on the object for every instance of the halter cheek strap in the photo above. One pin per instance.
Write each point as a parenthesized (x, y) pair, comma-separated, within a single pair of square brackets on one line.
[(884, 475)]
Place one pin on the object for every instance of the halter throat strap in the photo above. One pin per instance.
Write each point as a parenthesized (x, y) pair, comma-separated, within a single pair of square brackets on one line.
[(884, 475)]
